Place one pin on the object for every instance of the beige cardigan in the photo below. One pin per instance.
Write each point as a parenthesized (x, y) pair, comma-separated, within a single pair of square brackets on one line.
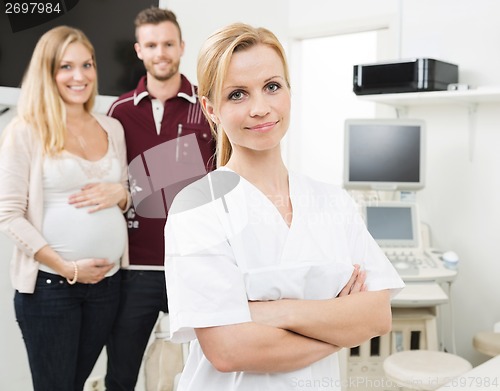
[(21, 195)]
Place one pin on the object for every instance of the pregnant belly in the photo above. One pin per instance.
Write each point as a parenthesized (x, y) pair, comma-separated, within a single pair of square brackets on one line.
[(76, 234)]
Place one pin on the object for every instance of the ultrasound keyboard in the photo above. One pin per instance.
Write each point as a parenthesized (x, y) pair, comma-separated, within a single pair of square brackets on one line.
[(414, 264)]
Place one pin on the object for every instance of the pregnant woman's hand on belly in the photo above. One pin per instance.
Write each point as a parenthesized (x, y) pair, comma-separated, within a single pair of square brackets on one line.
[(99, 196), (93, 270)]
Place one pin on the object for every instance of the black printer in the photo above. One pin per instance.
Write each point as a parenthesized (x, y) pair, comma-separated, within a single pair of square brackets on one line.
[(419, 74)]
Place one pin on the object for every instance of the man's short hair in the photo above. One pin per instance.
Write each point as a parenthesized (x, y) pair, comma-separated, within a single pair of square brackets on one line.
[(155, 15)]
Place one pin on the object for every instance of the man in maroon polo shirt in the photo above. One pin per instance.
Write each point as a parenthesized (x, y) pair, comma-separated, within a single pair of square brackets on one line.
[(162, 109)]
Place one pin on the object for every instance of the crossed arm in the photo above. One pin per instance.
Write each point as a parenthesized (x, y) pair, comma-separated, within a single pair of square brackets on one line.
[(287, 335)]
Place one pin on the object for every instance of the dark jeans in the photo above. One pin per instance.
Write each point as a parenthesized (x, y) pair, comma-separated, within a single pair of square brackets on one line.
[(143, 297), (65, 327)]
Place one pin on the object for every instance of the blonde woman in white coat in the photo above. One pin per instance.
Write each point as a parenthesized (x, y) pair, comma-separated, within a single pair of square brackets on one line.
[(269, 273)]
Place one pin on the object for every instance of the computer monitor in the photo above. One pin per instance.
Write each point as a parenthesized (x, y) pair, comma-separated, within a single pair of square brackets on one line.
[(384, 154), (393, 224)]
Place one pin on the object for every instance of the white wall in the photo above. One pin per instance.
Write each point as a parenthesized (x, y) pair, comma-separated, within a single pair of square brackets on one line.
[(198, 19), (460, 201)]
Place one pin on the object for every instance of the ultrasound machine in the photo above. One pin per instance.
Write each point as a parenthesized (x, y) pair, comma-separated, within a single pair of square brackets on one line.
[(383, 159), (395, 226), (384, 167)]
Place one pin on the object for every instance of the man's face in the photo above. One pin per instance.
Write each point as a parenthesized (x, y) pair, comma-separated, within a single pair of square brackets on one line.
[(160, 48)]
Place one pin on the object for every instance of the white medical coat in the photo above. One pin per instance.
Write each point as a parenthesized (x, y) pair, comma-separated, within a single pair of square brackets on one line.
[(222, 251)]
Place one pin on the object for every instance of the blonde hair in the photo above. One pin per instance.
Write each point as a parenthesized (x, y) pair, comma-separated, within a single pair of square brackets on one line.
[(213, 63), (40, 103)]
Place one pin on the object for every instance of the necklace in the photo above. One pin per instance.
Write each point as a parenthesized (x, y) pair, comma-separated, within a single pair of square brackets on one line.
[(93, 169), (81, 141), (79, 138)]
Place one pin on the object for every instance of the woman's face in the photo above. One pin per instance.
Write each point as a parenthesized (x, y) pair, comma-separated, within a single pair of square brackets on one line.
[(255, 102), (76, 75)]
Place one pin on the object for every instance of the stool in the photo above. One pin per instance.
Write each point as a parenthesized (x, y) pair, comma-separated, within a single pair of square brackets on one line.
[(423, 369), (163, 360), (487, 342)]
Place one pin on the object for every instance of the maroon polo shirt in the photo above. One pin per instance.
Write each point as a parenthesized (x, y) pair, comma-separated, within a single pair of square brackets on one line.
[(134, 111)]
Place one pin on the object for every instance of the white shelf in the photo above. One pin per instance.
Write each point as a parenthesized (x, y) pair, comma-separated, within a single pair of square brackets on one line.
[(467, 97)]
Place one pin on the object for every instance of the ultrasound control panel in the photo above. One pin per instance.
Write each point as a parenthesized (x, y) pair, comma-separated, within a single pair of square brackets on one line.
[(396, 228), (419, 265)]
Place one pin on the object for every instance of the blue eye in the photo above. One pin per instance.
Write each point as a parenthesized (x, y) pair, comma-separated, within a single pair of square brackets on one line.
[(236, 95), (66, 66), (273, 87), (88, 65)]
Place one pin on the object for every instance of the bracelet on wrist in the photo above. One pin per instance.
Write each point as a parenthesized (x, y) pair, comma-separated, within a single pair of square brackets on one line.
[(75, 275)]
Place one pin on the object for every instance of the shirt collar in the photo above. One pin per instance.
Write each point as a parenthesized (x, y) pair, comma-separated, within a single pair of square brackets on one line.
[(187, 91)]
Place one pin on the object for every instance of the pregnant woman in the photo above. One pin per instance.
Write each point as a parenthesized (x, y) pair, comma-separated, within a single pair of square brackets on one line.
[(63, 192)]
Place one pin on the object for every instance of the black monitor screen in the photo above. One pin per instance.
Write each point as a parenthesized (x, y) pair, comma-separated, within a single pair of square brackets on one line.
[(384, 154), (386, 223), (109, 25)]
